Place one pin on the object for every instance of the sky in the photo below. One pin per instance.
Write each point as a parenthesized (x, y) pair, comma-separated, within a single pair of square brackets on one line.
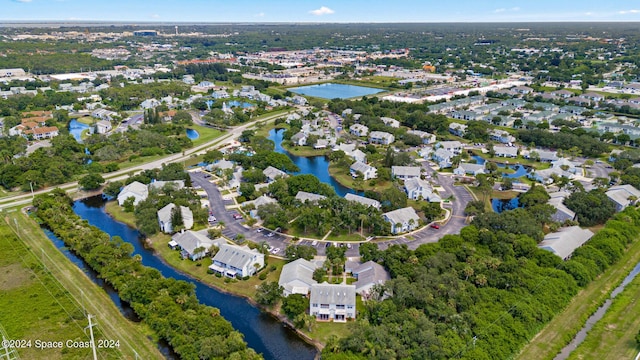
[(329, 11)]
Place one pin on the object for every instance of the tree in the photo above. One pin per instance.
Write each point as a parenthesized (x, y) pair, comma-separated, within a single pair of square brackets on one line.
[(319, 274), (305, 321), (369, 252), (431, 211), (268, 293), (91, 181), (591, 208), (212, 156), (294, 252), (393, 198), (294, 305), (507, 184), (536, 195)]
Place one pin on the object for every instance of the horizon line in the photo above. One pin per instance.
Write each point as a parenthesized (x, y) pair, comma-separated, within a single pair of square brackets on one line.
[(128, 22)]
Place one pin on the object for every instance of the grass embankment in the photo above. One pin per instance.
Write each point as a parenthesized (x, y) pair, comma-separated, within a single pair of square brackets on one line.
[(198, 269), (561, 330), (495, 194), (343, 176), (206, 134), (47, 305), (613, 337), (119, 214)]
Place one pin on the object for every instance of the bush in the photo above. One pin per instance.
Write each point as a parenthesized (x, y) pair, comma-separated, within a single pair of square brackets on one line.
[(272, 268), (262, 276), (210, 271)]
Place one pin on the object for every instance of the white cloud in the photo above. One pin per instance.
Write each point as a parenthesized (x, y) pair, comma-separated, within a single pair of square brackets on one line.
[(323, 10), (625, 12), (23, 1), (155, 16), (259, 14)]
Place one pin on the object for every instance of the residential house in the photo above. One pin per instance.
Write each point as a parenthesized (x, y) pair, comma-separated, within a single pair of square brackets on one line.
[(367, 171), (158, 185), (455, 147), (362, 200), (149, 104), (546, 156), (501, 136), (194, 245), (358, 130), (381, 137), (425, 136), (273, 174), (299, 139), (40, 133), (563, 213), (546, 176), (335, 302), (469, 169), (390, 122), (297, 277), (565, 164), (506, 151), (592, 96), (623, 196), (457, 129), (523, 90), (443, 158), (406, 172), (564, 242), (418, 189), (351, 151), (465, 115), (136, 190), (233, 260), (368, 275), (402, 220), (565, 94), (103, 127), (304, 196), (165, 218)]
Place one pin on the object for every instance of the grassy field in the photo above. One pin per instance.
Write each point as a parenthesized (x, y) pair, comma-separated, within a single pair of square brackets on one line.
[(119, 214), (206, 134), (343, 176), (45, 304), (613, 337), (304, 150), (559, 332)]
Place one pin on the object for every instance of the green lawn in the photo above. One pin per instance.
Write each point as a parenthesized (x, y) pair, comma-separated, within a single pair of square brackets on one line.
[(559, 332), (343, 176), (47, 304), (119, 214), (241, 287), (206, 134)]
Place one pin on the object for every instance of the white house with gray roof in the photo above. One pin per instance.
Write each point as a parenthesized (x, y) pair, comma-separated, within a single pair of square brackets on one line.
[(136, 190), (469, 169), (194, 245), (304, 196), (417, 189), (297, 277), (358, 130), (563, 213), (457, 129), (369, 274), (362, 200), (233, 260), (406, 172), (455, 147), (381, 137), (391, 122), (425, 136), (623, 196), (165, 218), (159, 185), (402, 220), (273, 174), (443, 157), (367, 171), (564, 242), (506, 151), (335, 302)]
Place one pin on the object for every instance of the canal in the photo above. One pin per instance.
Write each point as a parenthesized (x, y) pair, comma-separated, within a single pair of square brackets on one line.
[(261, 331), (314, 165)]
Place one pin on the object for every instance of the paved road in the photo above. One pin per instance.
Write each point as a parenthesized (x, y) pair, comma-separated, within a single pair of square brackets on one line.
[(23, 199), (426, 235)]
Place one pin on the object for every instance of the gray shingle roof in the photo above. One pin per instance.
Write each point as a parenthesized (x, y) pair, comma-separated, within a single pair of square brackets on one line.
[(333, 294), (564, 242), (236, 256), (402, 215), (191, 240), (362, 200), (305, 196), (297, 276)]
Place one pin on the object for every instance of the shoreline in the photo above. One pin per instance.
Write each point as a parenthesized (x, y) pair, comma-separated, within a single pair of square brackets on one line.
[(276, 315)]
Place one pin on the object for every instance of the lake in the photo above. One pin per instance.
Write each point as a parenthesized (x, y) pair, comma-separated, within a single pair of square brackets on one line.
[(261, 331), (314, 165), (334, 91), (192, 134), (520, 170), (500, 205), (76, 128)]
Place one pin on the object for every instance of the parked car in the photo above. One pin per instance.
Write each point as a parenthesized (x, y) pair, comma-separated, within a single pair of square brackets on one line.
[(271, 234), (435, 226), (259, 230), (237, 216)]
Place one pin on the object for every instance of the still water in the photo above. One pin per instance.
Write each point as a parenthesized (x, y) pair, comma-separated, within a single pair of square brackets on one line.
[(261, 331)]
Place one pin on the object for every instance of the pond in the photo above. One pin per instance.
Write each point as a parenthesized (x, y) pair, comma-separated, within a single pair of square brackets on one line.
[(76, 128), (192, 134), (235, 103), (520, 170), (333, 91), (500, 205), (314, 165), (261, 331)]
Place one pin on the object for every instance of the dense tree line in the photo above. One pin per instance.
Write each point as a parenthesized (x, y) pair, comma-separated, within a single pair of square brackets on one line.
[(168, 306), (478, 295), (588, 145)]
